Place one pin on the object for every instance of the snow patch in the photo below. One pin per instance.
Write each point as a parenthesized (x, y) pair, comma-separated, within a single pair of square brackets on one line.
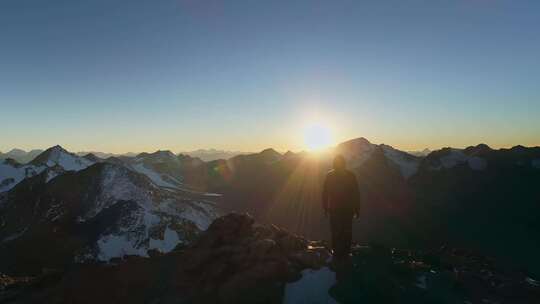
[(199, 215), (212, 194), (155, 211), (11, 175), (155, 177), (407, 164), (457, 157), (116, 185), (50, 175), (69, 162), (111, 246), (312, 288), (358, 156), (135, 238), (169, 241)]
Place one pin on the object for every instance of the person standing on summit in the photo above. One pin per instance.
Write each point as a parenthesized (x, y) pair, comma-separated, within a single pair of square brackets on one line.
[(341, 201)]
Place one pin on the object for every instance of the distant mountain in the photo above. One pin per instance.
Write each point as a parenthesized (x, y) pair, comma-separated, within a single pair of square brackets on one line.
[(162, 167), (421, 153), (92, 157), (213, 154), (58, 156), (104, 155), (20, 156), (12, 172)]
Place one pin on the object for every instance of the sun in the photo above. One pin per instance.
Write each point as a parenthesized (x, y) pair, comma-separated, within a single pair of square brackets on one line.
[(317, 136)]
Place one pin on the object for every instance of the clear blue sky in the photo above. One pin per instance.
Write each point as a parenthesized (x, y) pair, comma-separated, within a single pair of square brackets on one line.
[(244, 75)]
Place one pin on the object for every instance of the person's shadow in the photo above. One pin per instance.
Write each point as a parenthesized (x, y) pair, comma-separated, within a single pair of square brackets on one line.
[(364, 277)]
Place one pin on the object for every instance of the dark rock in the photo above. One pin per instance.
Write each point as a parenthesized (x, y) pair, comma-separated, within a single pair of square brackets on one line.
[(260, 248)]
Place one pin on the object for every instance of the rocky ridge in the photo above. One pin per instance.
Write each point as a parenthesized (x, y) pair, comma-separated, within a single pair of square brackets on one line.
[(239, 261)]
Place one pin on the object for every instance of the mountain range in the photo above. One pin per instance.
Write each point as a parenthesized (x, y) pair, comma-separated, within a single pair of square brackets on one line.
[(23, 156), (61, 208), (213, 154), (20, 156)]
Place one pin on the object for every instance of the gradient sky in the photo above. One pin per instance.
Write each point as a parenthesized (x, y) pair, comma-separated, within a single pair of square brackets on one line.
[(118, 75)]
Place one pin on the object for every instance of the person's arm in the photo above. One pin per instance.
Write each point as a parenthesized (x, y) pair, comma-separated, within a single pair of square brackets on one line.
[(325, 195)]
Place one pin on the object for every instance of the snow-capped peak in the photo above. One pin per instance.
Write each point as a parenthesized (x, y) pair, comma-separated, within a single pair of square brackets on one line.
[(407, 163), (450, 157), (59, 156), (356, 151)]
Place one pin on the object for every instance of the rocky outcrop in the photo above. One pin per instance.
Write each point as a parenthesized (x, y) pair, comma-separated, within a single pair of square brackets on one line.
[(236, 260), (239, 261)]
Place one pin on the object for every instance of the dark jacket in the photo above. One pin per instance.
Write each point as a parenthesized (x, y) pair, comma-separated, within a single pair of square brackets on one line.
[(341, 192)]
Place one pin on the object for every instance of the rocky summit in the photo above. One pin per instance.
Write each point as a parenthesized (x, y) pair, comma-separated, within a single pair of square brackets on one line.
[(239, 261)]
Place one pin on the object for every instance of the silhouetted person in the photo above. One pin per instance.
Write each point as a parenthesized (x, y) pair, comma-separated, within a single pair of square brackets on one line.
[(341, 200)]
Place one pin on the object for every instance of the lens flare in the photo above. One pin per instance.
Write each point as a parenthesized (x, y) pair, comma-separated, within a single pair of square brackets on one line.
[(317, 136)]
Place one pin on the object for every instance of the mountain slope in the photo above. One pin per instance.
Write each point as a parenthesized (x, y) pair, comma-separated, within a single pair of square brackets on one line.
[(99, 213), (213, 154), (12, 172), (491, 208), (452, 196), (20, 156), (162, 167), (239, 261), (57, 156)]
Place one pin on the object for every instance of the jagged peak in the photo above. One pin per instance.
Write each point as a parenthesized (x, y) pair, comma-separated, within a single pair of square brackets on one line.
[(518, 148), (270, 154), (57, 155), (478, 149), (187, 158), (270, 151), (354, 147), (51, 153), (158, 154), (92, 157), (57, 148), (16, 150), (289, 153)]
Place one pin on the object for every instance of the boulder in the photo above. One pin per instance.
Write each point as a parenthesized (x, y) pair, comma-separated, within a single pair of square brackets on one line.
[(234, 257)]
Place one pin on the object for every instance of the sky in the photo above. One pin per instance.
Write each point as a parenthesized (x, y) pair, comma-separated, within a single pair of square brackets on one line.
[(121, 76)]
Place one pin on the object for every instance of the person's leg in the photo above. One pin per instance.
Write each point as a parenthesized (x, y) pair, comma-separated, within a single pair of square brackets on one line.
[(334, 229), (347, 232), (340, 237)]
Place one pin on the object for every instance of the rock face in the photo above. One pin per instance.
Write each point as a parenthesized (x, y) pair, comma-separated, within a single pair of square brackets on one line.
[(239, 261), (103, 212), (445, 275), (236, 260)]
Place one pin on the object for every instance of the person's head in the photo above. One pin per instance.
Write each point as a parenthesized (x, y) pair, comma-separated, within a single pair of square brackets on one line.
[(339, 162)]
